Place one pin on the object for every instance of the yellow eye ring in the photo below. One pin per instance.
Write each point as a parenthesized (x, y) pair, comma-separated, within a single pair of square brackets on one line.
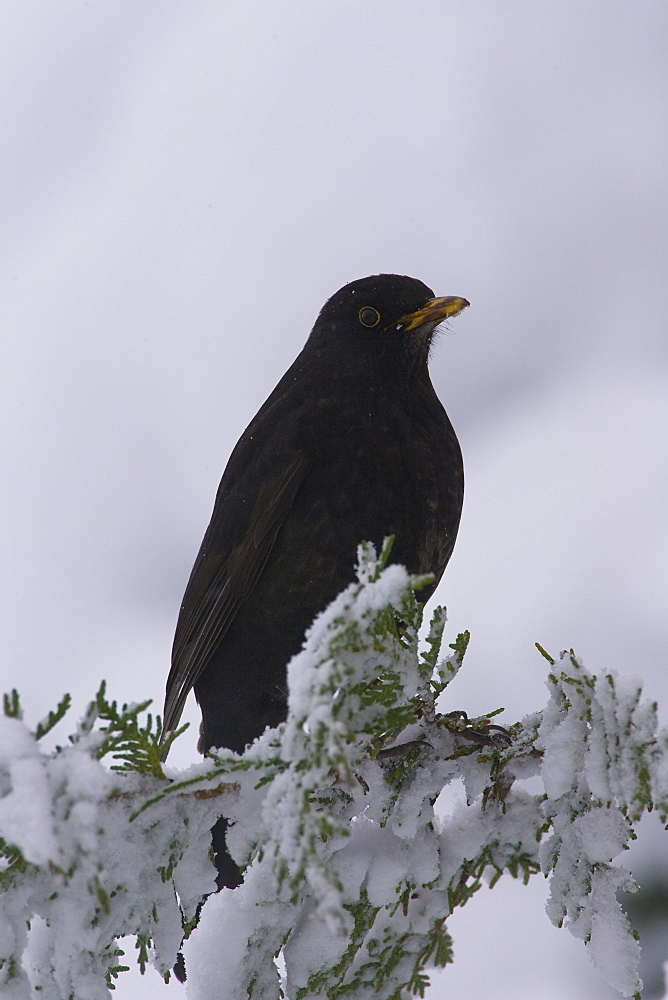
[(368, 316)]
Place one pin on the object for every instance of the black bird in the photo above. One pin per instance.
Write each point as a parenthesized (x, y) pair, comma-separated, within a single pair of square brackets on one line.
[(353, 444)]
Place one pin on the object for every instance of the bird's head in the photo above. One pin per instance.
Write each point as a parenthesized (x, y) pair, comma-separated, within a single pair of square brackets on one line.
[(386, 314)]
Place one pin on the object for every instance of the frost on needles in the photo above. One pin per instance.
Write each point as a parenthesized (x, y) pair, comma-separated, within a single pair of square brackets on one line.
[(350, 872)]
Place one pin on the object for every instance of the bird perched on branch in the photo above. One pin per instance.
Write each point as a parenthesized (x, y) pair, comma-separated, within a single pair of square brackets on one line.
[(352, 445)]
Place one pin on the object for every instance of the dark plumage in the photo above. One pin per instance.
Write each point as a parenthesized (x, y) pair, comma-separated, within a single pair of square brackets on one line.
[(352, 444)]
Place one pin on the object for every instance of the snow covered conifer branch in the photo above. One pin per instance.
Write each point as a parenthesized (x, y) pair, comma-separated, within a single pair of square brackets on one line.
[(350, 871)]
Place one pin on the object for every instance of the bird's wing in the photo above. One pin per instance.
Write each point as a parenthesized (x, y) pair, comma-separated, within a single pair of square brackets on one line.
[(225, 572)]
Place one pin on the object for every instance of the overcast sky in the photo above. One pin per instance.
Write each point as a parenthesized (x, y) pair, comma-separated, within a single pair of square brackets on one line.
[(183, 184)]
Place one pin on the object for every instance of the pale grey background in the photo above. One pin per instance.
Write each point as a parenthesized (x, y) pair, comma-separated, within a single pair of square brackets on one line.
[(183, 184)]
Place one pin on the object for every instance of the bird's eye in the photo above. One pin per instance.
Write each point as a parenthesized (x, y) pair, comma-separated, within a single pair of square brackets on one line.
[(368, 316)]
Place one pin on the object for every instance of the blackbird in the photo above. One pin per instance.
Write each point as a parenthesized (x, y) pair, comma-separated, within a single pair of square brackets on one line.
[(352, 445)]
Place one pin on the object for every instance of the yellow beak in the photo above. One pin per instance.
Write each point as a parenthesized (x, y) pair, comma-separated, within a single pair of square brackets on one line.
[(435, 311)]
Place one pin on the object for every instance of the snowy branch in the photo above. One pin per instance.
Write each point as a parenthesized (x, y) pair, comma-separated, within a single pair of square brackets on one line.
[(351, 871)]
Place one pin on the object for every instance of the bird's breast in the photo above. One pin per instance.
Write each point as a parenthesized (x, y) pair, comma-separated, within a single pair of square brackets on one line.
[(381, 469)]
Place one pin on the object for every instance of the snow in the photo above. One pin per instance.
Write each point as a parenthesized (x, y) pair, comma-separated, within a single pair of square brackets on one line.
[(348, 859), (25, 807), (613, 950), (563, 753), (92, 871)]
